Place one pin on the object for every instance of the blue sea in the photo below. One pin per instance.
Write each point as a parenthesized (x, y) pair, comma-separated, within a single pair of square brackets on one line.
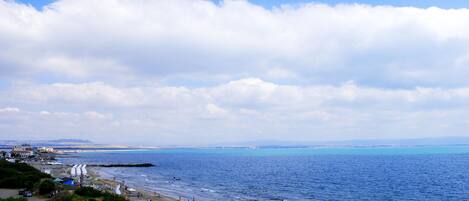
[(353, 173)]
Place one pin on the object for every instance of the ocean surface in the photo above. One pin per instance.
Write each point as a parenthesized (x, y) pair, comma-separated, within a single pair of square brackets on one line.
[(377, 173)]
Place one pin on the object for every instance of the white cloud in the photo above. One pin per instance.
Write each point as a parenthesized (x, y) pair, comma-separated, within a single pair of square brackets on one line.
[(9, 110), (249, 94), (215, 110), (93, 115), (231, 71), (230, 111), (373, 45)]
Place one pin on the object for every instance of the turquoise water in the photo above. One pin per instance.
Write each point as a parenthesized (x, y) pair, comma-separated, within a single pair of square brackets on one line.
[(351, 173), (318, 151)]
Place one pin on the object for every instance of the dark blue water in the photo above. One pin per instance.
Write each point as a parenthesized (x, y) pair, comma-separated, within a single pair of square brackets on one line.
[(412, 173)]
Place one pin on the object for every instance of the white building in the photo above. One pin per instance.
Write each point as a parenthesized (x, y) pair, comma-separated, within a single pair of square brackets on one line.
[(46, 150), (22, 151), (23, 147), (23, 154)]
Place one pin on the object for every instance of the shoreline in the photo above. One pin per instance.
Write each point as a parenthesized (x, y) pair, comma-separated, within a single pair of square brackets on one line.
[(138, 194), (95, 180)]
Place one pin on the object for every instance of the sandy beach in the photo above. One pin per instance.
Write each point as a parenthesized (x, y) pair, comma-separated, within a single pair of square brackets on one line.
[(93, 179), (137, 195)]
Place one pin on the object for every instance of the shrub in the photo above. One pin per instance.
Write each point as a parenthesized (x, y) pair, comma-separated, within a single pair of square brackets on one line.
[(88, 192), (63, 196), (72, 198), (93, 193), (29, 185), (46, 187), (19, 175), (68, 198), (112, 197)]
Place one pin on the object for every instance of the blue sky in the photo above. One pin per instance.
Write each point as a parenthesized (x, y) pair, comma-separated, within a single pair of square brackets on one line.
[(271, 3), (194, 73), (415, 3)]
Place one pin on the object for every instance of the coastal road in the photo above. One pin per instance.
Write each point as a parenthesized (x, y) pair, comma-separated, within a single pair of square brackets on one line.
[(6, 193)]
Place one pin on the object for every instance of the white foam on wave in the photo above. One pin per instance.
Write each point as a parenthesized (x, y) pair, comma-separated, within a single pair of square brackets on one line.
[(207, 190)]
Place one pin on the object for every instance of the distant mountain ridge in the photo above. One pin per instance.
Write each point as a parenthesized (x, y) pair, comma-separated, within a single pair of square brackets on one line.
[(71, 141), (53, 143), (67, 144), (82, 143)]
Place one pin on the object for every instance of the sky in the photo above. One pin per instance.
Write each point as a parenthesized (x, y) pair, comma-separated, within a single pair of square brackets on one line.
[(189, 72), (448, 4)]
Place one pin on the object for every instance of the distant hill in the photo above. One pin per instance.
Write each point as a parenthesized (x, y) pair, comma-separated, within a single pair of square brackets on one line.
[(51, 143), (66, 144), (71, 141)]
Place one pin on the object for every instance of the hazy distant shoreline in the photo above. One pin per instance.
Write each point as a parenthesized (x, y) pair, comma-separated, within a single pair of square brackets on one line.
[(86, 145)]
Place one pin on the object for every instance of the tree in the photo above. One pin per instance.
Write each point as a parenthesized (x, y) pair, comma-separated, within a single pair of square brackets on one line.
[(46, 186), (88, 192), (29, 185)]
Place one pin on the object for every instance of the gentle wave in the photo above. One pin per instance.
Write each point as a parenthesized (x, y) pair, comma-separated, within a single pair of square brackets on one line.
[(421, 173)]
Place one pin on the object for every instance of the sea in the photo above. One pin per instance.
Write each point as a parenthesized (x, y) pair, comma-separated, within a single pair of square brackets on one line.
[(317, 173)]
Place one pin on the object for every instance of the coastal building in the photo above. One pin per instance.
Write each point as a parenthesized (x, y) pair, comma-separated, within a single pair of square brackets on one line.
[(22, 151), (23, 147), (45, 150), (23, 154), (5, 155)]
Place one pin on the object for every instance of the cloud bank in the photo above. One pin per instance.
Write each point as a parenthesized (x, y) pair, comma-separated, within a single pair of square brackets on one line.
[(234, 71)]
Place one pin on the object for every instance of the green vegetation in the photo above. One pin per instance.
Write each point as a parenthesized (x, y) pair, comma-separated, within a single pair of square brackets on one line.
[(89, 193), (46, 187), (13, 199), (112, 197), (70, 198), (19, 175)]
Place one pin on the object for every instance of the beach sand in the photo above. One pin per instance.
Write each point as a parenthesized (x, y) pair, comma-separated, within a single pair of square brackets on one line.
[(94, 179), (56, 170), (138, 195)]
